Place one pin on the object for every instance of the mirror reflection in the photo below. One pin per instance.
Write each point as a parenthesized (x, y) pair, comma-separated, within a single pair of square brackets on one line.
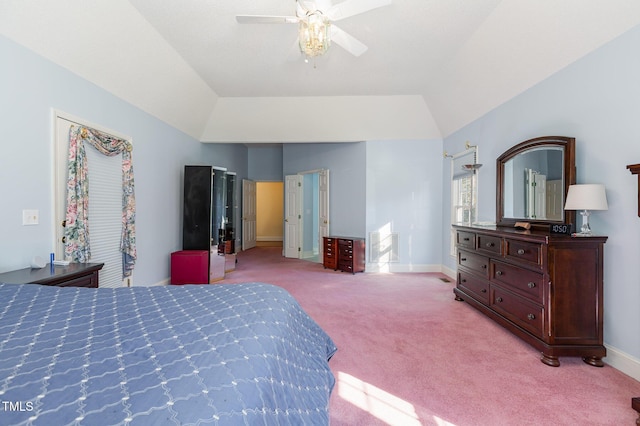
[(533, 184)]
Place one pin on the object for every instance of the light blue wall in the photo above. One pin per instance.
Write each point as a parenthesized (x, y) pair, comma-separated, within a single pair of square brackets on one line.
[(404, 192), (31, 86), (347, 174), (265, 163), (597, 101)]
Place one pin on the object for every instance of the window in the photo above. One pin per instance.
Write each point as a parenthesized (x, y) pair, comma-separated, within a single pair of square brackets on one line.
[(464, 197), (463, 207)]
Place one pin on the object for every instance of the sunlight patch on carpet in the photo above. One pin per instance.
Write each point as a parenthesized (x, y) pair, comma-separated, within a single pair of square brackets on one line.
[(383, 405)]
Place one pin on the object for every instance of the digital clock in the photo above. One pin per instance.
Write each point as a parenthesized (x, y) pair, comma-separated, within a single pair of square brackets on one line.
[(561, 229)]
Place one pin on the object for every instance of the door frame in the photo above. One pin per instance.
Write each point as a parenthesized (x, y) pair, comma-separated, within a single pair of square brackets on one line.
[(293, 237), (248, 214)]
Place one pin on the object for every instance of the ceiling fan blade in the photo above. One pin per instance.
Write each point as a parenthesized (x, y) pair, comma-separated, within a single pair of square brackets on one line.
[(265, 19), (354, 7), (323, 5), (347, 41), (301, 10)]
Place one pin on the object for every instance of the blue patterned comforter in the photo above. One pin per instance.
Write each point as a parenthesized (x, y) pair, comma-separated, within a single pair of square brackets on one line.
[(195, 354)]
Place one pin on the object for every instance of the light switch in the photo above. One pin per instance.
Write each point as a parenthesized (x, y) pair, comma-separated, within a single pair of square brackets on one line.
[(30, 217)]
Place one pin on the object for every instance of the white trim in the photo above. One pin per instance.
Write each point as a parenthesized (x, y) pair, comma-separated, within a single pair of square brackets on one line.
[(451, 273), (81, 121), (623, 362), (401, 267), (263, 238)]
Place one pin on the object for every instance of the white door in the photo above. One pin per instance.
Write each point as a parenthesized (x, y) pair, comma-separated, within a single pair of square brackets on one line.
[(292, 215), (555, 190), (541, 196), (248, 214), (105, 206), (323, 205)]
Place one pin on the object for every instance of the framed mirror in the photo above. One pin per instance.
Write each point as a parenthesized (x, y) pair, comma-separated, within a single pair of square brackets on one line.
[(533, 178)]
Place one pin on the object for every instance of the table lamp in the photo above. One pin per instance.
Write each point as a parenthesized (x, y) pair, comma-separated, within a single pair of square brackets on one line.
[(586, 197)]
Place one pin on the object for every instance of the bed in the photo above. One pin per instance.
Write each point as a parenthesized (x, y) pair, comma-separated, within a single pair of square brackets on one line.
[(193, 354)]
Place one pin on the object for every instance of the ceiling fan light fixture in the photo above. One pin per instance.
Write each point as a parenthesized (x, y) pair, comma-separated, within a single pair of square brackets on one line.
[(314, 34)]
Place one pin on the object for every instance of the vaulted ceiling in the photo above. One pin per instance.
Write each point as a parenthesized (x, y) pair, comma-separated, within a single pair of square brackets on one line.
[(432, 66)]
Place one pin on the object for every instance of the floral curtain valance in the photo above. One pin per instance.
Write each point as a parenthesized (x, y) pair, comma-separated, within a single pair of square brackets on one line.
[(77, 248)]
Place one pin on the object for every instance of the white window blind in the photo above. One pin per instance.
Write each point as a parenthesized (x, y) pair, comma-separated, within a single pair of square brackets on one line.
[(105, 214)]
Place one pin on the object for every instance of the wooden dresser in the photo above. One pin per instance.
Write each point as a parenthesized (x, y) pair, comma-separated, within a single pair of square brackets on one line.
[(72, 275), (344, 254), (546, 289)]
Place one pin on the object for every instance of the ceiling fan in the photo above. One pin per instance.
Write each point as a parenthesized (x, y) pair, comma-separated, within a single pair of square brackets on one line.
[(315, 20)]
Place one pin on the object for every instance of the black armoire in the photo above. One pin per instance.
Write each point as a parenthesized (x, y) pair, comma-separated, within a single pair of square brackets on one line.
[(205, 215)]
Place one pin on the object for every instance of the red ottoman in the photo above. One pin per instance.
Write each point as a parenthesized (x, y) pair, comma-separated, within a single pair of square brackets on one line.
[(190, 267)]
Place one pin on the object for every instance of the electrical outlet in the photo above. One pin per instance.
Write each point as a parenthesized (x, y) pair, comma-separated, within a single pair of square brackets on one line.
[(30, 217)]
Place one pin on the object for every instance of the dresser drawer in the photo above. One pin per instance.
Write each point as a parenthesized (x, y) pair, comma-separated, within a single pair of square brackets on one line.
[(519, 280), (476, 287), (466, 239), (330, 253), (524, 252), (330, 262), (474, 262), (345, 244), (517, 309), (346, 266), (489, 244)]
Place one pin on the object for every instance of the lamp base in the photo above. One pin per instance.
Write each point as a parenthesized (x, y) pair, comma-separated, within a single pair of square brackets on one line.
[(585, 230)]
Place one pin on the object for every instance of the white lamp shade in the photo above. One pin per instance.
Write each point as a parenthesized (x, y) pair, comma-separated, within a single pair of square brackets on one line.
[(586, 197)]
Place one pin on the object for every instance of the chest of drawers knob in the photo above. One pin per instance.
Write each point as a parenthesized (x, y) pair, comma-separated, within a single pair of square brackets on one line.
[(498, 273), (520, 251), (531, 317), (490, 245), (498, 299), (531, 285)]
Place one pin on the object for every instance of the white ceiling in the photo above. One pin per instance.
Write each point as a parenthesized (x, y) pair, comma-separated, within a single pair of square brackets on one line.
[(462, 57)]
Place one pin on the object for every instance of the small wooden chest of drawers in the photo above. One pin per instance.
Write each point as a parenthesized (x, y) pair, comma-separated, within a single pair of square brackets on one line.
[(545, 289), (344, 254)]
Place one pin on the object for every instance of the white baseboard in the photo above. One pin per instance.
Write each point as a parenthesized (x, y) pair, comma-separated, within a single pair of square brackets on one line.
[(400, 267), (622, 361), (451, 273), (166, 281), (267, 238)]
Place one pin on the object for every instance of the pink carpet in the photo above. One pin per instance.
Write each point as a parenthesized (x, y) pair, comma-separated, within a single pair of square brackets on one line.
[(409, 354)]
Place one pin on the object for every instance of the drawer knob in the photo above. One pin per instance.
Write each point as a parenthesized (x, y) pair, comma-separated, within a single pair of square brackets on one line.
[(531, 317), (466, 239), (490, 245), (484, 266), (463, 259), (463, 280), (498, 299), (498, 273), (484, 290), (531, 285), (520, 251)]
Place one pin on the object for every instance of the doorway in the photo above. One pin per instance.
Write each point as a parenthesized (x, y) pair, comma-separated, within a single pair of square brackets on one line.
[(269, 213), (306, 214)]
